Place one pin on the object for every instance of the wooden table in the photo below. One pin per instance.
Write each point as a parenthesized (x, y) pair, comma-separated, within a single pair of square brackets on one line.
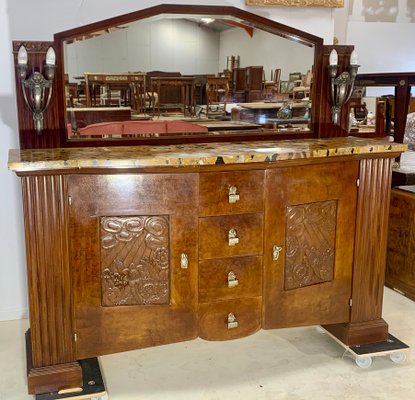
[(118, 81), (187, 85)]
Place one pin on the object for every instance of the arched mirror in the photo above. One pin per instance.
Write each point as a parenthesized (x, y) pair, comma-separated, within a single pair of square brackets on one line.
[(187, 71)]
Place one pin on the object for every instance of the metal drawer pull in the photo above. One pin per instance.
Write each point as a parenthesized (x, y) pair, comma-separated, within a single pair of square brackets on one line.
[(233, 239), (184, 262), (276, 252), (232, 322), (232, 281), (233, 196)]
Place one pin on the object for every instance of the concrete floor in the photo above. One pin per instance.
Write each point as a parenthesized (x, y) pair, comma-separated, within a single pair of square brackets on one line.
[(286, 364)]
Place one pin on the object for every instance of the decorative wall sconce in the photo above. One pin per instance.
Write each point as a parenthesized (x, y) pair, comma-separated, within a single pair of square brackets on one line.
[(37, 89), (341, 87)]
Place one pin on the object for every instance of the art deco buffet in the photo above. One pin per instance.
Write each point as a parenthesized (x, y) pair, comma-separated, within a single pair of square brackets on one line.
[(162, 206)]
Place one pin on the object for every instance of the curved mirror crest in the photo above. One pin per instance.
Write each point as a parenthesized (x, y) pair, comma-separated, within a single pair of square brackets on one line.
[(185, 74)]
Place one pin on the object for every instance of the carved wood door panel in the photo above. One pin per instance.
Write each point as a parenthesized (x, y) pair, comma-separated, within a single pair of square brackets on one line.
[(309, 239), (133, 245)]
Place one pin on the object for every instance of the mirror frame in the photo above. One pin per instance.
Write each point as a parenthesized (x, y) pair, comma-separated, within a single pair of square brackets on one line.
[(254, 19)]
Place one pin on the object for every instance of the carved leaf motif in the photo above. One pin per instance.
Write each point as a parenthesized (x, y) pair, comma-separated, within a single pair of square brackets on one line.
[(135, 260), (310, 244)]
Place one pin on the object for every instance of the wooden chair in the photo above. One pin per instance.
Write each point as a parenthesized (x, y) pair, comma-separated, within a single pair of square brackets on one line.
[(217, 92), (272, 87), (303, 90)]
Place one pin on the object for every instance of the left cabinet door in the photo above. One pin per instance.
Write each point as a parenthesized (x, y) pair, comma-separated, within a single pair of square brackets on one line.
[(133, 246)]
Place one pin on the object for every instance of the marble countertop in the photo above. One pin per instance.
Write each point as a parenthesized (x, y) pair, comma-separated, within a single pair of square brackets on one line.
[(194, 154)]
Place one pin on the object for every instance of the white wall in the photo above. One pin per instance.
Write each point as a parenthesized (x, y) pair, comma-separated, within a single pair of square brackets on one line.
[(39, 20), (162, 45), (281, 53), (12, 266)]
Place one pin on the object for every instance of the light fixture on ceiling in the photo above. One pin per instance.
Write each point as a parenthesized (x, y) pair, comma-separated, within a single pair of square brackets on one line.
[(206, 20), (341, 87), (37, 89)]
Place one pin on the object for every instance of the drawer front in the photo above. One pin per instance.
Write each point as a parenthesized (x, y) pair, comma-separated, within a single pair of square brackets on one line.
[(229, 319), (229, 278), (231, 192), (216, 239)]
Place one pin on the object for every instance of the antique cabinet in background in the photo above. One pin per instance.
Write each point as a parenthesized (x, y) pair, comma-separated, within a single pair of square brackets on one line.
[(133, 256)]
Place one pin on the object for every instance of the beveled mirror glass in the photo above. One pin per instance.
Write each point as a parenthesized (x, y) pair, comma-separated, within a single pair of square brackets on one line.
[(186, 72)]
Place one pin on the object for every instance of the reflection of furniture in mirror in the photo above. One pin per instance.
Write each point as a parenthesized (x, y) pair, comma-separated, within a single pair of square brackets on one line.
[(186, 85), (253, 83), (303, 89), (100, 87), (217, 92), (238, 86), (272, 87)]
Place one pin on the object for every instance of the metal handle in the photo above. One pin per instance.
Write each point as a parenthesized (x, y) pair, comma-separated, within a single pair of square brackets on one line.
[(184, 261), (233, 195), (232, 237), (232, 322), (232, 281), (276, 250)]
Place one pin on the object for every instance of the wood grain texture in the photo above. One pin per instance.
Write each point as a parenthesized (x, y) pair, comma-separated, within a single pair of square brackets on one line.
[(213, 318), (51, 135), (310, 185), (45, 204), (135, 260), (325, 126), (103, 330), (366, 323), (400, 260), (214, 192), (214, 235), (213, 278), (310, 244), (51, 378)]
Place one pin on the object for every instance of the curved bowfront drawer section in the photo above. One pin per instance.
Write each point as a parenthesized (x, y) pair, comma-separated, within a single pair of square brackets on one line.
[(229, 319), (230, 278), (231, 192), (230, 235)]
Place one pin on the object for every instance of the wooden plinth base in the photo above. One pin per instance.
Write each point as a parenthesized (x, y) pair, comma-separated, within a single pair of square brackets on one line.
[(51, 378), (92, 384), (352, 334)]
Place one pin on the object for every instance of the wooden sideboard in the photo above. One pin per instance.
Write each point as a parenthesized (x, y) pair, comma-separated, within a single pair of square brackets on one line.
[(132, 247)]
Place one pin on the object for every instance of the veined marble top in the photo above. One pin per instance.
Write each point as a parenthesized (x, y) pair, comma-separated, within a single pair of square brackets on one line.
[(194, 154)]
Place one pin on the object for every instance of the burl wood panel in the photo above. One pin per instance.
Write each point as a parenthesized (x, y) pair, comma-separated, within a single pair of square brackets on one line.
[(135, 260), (103, 330), (213, 318), (45, 203), (214, 235), (306, 186), (400, 260), (214, 192), (366, 323), (213, 278), (310, 241)]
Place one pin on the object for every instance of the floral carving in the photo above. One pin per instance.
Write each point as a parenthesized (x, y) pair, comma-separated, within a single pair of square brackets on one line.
[(135, 260), (310, 244)]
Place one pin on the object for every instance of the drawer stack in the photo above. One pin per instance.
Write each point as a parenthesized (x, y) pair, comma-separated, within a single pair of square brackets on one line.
[(230, 253)]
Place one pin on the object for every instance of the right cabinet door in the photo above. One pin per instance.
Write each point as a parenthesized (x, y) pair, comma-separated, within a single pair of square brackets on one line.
[(309, 238)]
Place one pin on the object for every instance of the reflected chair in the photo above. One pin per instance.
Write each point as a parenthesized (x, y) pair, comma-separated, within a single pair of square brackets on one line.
[(303, 89), (272, 87), (217, 92)]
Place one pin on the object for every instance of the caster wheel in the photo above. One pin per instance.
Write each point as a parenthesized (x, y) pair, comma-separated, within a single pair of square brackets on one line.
[(398, 357), (363, 362)]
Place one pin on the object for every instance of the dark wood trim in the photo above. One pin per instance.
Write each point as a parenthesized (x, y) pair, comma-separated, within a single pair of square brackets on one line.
[(52, 378)]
